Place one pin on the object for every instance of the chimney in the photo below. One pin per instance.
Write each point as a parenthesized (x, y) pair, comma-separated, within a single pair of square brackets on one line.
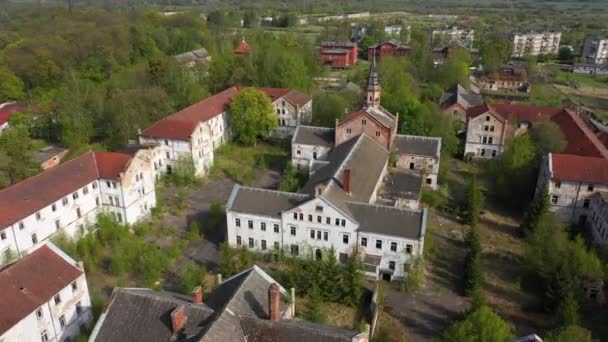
[(274, 302), (346, 180), (197, 295), (178, 319)]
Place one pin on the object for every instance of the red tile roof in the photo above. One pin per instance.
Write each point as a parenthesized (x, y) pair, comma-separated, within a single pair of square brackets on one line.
[(180, 125), (581, 141), (8, 109), (579, 168), (514, 111), (31, 282), (243, 48), (30, 195)]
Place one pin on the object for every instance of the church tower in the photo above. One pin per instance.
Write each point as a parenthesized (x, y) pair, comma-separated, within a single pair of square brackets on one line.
[(373, 86)]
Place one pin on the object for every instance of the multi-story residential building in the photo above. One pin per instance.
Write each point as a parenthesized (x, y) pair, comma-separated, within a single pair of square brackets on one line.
[(44, 298), (336, 209), (69, 196), (250, 306), (571, 183), (489, 127), (452, 34), (339, 54), (393, 31), (590, 69), (197, 131), (535, 43), (595, 50)]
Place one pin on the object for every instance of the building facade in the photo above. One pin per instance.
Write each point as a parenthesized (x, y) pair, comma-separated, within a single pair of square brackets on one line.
[(452, 34), (421, 154), (45, 298), (392, 47), (339, 54), (68, 198), (572, 182), (195, 132), (595, 50), (490, 126), (311, 143), (535, 43)]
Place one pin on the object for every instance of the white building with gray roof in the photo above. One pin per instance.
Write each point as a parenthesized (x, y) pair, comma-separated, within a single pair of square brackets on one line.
[(340, 207)]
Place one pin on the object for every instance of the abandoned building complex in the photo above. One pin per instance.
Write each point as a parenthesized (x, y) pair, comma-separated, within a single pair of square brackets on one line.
[(198, 130), (351, 202), (249, 306), (68, 197)]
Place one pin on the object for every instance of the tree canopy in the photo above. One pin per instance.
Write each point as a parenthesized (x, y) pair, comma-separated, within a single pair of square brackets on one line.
[(482, 325), (252, 116)]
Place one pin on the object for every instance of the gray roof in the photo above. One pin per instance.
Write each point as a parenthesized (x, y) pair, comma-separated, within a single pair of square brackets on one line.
[(338, 44), (381, 115), (237, 310), (390, 221), (405, 184), (417, 145), (317, 136), (392, 41), (364, 157), (293, 330), (263, 202), (458, 94), (144, 315), (192, 56), (336, 51), (48, 153), (246, 294)]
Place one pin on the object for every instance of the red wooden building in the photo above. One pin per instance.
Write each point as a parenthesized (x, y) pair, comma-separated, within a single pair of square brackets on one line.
[(339, 54), (391, 47)]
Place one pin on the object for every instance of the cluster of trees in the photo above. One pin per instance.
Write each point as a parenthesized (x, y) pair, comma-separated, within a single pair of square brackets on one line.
[(252, 116), (516, 170), (559, 267), (334, 282)]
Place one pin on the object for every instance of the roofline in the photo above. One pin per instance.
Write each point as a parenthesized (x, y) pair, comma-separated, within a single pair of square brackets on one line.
[(346, 119), (423, 224), (439, 141), (232, 196)]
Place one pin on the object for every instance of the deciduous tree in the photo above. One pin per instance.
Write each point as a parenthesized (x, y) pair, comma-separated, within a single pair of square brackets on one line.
[(252, 116), (480, 325)]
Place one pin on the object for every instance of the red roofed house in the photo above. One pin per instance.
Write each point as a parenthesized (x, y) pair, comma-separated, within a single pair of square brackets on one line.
[(196, 131), (44, 297), (339, 54), (574, 184), (68, 197), (392, 47), (490, 126), (243, 48), (7, 109)]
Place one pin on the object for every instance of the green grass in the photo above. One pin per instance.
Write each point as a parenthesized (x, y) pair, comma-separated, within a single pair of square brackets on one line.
[(565, 77), (241, 162)]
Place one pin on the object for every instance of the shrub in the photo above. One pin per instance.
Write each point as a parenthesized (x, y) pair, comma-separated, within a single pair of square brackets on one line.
[(190, 276)]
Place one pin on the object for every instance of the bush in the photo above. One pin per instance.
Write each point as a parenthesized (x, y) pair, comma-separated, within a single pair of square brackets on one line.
[(314, 308), (184, 172), (216, 217), (190, 276), (434, 199), (293, 178)]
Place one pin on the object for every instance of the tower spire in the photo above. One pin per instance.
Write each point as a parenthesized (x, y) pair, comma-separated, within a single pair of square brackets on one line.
[(373, 85)]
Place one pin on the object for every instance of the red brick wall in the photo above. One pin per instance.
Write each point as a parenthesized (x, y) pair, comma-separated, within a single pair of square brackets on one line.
[(357, 128)]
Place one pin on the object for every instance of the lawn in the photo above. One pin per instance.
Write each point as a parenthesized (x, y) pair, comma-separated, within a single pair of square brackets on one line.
[(242, 163)]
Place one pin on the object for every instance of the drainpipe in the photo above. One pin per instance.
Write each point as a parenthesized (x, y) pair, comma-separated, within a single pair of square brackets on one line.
[(15, 239), (52, 320), (578, 190)]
